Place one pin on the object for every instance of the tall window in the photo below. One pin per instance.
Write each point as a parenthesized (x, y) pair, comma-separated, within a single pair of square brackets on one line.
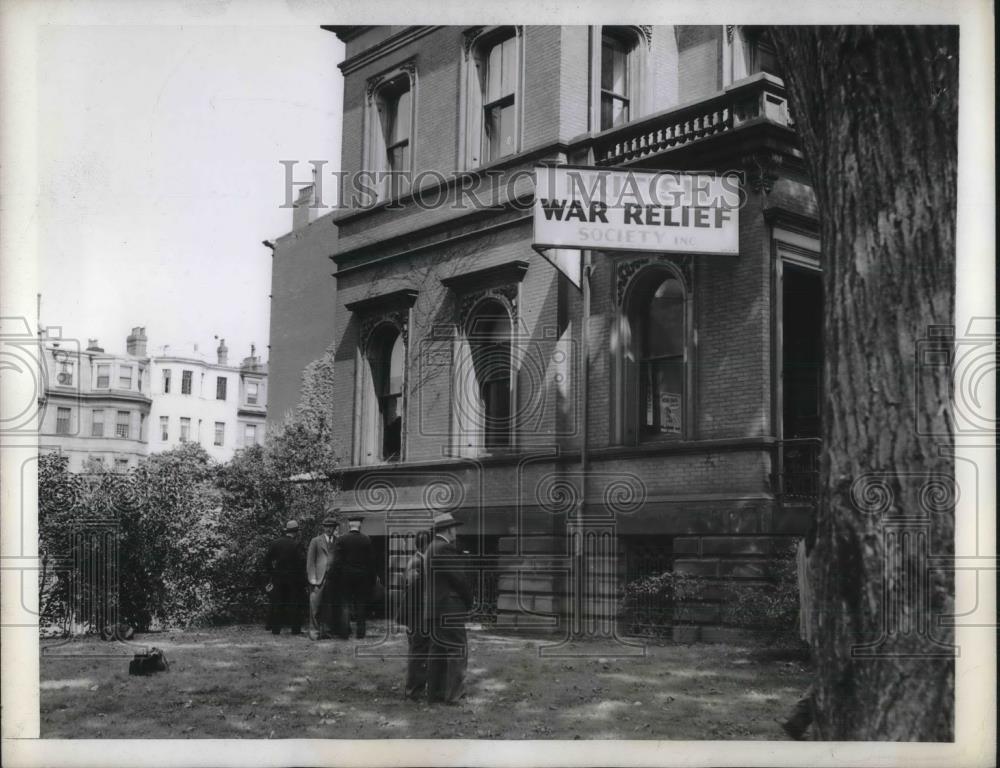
[(62, 421), (142, 426), (103, 375), (121, 465), (186, 382), (220, 432), (249, 434), (185, 429), (493, 129), (125, 377), (253, 392), (122, 424), (395, 117), (615, 93), (489, 335), (657, 319), (220, 387), (164, 428), (386, 357), (97, 422), (166, 381)]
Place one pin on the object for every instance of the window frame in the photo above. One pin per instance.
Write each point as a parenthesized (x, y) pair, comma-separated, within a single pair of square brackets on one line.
[(256, 393), (164, 429), (64, 425), (187, 381), (370, 314), (95, 422), (97, 376), (165, 381), (636, 41), (221, 383), (479, 42), (123, 371), (181, 436), (123, 427), (626, 387), (219, 438), (376, 158)]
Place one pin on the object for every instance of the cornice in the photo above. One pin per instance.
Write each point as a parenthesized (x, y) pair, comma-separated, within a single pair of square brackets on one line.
[(384, 48), (510, 272), (404, 297)]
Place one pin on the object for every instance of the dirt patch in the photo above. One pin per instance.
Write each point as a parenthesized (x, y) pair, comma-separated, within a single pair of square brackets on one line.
[(243, 682)]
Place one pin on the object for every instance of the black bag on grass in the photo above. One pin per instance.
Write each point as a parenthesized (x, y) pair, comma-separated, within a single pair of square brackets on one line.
[(148, 663)]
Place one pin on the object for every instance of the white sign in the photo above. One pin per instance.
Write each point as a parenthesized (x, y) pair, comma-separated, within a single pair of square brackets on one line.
[(566, 261), (614, 210)]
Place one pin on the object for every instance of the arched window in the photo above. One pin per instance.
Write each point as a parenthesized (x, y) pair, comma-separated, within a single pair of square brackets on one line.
[(489, 341), (656, 313), (386, 357)]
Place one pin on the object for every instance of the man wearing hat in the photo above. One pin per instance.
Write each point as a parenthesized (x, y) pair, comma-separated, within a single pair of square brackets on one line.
[(450, 596), (285, 569), (354, 576), (319, 566)]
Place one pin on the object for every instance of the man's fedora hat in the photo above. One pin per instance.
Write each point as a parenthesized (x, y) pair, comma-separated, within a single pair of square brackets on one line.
[(355, 518), (331, 520), (291, 525), (445, 520)]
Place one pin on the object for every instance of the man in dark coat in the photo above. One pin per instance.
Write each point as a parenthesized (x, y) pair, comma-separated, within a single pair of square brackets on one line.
[(286, 571), (449, 597), (319, 565), (411, 614), (354, 577)]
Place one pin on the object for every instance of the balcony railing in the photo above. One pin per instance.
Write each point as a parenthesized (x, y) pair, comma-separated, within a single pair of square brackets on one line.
[(760, 97), (797, 470)]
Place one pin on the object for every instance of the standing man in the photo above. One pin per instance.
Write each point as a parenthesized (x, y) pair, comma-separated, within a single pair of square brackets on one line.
[(412, 603), (354, 575), (285, 568), (449, 597), (319, 567)]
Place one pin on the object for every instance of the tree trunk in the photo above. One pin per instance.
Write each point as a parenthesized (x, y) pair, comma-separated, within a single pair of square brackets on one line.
[(877, 113)]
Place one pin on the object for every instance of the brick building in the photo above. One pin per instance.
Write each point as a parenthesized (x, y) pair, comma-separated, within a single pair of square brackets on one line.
[(457, 360)]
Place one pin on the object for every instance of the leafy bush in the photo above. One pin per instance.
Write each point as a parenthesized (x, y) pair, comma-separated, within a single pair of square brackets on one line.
[(647, 605), (180, 539)]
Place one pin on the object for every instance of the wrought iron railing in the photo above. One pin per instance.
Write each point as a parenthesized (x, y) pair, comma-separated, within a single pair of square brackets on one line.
[(797, 470), (760, 97)]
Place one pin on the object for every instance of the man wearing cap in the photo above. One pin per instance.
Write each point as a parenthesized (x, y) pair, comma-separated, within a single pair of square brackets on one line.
[(450, 596), (286, 569), (354, 576), (319, 564)]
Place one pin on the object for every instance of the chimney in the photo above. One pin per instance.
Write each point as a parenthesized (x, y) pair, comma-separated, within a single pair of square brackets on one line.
[(302, 214), (223, 352), (93, 347), (135, 344)]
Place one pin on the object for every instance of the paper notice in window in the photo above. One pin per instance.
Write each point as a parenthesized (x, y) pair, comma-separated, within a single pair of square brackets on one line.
[(670, 413)]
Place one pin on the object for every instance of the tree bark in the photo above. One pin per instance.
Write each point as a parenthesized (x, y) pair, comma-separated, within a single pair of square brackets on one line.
[(876, 109)]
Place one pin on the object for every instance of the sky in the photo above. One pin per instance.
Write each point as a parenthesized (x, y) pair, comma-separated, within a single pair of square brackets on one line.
[(159, 174)]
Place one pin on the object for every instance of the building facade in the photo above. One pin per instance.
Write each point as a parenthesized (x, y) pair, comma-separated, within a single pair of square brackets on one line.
[(458, 366), (113, 410), (96, 404), (221, 407)]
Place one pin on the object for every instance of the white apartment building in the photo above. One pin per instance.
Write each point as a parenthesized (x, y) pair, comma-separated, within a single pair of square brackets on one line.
[(222, 407), (114, 410)]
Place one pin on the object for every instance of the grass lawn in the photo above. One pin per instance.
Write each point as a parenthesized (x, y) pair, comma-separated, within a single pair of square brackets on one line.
[(244, 682)]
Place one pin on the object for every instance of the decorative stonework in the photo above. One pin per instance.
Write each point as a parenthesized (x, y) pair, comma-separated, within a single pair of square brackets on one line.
[(469, 38), (730, 31), (408, 68), (398, 318), (626, 270), (371, 85), (505, 294), (646, 30)]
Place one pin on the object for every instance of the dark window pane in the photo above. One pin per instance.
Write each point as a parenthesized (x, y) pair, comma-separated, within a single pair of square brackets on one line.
[(664, 321)]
